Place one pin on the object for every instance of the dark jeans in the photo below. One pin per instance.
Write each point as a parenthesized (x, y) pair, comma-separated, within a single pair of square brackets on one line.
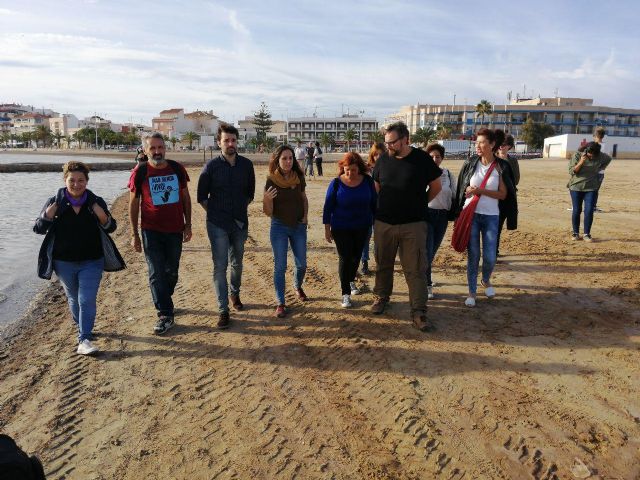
[(162, 251), (577, 198), (319, 166), (365, 248), (283, 235), (349, 244), (436, 228), (501, 220)]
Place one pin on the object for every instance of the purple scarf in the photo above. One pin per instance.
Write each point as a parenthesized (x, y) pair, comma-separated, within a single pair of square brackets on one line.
[(76, 203)]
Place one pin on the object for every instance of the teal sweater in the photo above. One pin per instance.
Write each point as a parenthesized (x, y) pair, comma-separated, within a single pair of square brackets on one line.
[(586, 180)]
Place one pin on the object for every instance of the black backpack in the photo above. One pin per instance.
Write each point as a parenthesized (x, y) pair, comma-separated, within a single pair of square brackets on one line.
[(15, 464), (336, 184), (141, 174)]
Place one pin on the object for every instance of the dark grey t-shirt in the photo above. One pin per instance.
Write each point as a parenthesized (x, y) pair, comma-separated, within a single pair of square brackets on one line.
[(403, 186)]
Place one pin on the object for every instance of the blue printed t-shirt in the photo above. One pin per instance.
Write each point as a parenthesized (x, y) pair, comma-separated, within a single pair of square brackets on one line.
[(161, 207)]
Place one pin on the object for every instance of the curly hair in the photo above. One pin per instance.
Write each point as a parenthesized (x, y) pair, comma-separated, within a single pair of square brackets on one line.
[(74, 166), (352, 158)]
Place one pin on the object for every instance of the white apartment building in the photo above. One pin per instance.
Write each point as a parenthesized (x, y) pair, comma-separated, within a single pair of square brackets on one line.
[(309, 129), (28, 122), (174, 123), (566, 115), (62, 123)]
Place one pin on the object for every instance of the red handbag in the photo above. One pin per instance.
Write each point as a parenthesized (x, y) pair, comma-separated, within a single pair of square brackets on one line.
[(462, 225)]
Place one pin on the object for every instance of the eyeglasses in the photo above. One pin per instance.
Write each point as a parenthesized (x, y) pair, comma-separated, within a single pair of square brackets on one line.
[(389, 144)]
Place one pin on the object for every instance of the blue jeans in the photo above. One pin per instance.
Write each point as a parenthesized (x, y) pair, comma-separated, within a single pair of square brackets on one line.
[(282, 236), (227, 247), (308, 167), (81, 281), (436, 228), (487, 226), (576, 199), (365, 249), (162, 251)]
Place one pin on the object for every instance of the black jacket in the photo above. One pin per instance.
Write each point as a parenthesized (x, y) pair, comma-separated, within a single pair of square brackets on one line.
[(508, 207), (112, 259)]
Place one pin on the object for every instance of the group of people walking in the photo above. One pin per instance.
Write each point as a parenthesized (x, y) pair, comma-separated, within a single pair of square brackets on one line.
[(401, 194)]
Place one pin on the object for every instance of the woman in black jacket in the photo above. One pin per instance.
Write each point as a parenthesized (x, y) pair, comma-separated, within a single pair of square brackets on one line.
[(496, 199), (77, 247)]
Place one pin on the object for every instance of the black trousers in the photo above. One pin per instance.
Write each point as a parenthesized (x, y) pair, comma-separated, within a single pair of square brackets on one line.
[(349, 244), (319, 166), (502, 219)]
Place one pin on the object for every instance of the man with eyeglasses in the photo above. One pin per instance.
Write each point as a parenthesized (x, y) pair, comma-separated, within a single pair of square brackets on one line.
[(402, 177)]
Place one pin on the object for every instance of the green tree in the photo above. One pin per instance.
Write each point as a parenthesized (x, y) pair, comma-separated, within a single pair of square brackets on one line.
[(42, 133), (26, 138), (376, 137), (443, 132), (173, 141), (57, 136), (534, 133), (424, 136), (483, 108), (4, 138), (269, 144), (132, 138), (262, 123), (190, 137), (349, 136), (325, 140)]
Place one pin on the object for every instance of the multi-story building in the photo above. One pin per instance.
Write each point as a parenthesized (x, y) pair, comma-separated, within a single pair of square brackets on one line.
[(62, 123), (28, 122), (174, 123), (566, 115), (309, 129)]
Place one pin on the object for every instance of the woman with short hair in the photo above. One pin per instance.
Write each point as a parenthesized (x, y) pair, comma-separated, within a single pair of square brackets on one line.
[(285, 201), (349, 206), (77, 248), (583, 185), (438, 211)]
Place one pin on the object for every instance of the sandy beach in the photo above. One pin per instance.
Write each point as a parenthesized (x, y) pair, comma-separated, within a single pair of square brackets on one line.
[(541, 382)]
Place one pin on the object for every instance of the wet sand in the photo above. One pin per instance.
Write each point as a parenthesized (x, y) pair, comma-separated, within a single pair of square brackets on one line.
[(541, 382)]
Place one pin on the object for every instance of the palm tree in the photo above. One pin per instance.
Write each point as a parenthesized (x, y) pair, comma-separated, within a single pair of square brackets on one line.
[(443, 131), (325, 140), (190, 137), (424, 136), (484, 108), (57, 136), (349, 136), (269, 144), (42, 133), (376, 137), (173, 141), (4, 138), (26, 138)]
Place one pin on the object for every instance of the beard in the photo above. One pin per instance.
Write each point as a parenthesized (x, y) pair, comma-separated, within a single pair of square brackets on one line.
[(229, 151)]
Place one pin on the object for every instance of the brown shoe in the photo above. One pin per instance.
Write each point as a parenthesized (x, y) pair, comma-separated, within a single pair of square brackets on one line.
[(223, 321), (235, 302), (301, 295), (281, 311), (421, 323), (379, 304)]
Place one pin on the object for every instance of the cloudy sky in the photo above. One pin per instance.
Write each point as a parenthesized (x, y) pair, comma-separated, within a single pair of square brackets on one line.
[(129, 60)]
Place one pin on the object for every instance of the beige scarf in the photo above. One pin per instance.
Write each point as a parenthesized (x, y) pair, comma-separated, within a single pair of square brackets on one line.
[(283, 182)]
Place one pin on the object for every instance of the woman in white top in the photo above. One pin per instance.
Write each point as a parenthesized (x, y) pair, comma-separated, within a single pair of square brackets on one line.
[(439, 207), (486, 218)]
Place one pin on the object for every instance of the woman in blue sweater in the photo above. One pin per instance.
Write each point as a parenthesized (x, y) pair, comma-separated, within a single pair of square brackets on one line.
[(347, 216)]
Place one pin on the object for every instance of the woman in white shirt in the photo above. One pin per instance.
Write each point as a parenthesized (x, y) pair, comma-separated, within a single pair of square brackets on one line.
[(439, 207), (486, 219)]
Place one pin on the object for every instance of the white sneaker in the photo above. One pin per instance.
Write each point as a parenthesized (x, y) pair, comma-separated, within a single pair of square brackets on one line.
[(490, 292), (354, 290), (346, 301), (85, 347), (470, 302), (430, 294)]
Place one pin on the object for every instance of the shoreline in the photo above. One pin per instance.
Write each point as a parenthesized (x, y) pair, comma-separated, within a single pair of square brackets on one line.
[(543, 378)]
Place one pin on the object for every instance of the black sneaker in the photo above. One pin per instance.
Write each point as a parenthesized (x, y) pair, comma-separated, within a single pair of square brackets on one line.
[(223, 321), (163, 324)]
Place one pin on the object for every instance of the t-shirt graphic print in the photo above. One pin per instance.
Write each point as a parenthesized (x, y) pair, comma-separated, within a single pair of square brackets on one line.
[(164, 189)]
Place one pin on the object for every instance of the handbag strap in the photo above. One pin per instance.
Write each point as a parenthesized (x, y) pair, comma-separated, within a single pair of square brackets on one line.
[(488, 174)]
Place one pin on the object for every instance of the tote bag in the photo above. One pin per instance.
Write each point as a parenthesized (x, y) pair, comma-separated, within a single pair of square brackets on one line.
[(462, 225)]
